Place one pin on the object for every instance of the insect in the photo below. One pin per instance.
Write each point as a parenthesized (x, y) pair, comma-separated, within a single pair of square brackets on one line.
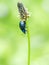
[(22, 26), (23, 16)]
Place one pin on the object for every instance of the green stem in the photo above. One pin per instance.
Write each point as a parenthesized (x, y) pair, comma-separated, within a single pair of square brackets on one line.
[(28, 35)]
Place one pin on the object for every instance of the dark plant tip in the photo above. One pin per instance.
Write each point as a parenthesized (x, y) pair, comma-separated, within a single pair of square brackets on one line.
[(19, 4)]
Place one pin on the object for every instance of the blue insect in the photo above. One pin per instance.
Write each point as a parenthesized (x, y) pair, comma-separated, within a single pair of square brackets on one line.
[(22, 26)]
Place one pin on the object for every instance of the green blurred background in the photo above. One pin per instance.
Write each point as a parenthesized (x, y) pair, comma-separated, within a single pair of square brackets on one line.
[(13, 43)]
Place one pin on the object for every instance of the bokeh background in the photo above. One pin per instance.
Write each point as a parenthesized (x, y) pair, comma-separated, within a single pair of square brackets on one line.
[(13, 43)]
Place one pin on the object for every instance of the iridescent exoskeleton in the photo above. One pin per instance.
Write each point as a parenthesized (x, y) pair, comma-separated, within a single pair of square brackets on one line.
[(23, 16)]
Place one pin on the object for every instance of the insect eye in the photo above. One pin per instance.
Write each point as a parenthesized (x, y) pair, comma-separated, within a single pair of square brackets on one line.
[(22, 26)]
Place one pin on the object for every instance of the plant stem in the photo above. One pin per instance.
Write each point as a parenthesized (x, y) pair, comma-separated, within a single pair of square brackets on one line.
[(28, 36)]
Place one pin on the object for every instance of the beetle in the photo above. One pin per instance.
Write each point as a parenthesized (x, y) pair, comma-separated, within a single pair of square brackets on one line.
[(22, 25)]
